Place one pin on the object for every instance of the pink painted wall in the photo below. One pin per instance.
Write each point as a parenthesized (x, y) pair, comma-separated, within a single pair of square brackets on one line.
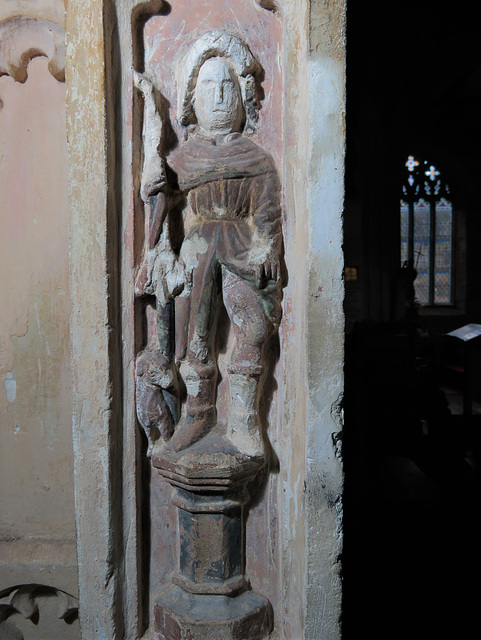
[(166, 39)]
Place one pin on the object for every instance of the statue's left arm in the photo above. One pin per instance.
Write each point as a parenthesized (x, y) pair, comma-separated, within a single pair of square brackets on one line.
[(265, 252)]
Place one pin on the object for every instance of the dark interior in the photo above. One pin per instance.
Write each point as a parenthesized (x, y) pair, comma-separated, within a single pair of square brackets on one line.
[(412, 393)]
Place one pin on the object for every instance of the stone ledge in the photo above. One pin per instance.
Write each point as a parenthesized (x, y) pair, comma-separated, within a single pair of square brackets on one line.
[(35, 560)]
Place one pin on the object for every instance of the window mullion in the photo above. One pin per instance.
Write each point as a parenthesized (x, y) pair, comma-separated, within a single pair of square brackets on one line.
[(432, 250), (411, 233)]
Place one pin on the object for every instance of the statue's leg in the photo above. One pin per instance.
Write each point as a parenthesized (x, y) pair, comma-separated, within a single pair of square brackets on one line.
[(251, 330), (198, 368)]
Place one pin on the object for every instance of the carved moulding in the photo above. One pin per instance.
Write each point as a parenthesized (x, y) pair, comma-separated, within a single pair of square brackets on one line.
[(23, 38), (26, 600)]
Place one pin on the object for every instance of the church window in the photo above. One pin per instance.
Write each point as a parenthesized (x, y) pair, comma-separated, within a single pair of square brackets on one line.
[(427, 231)]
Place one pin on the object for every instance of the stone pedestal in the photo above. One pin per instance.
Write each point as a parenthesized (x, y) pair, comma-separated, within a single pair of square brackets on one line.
[(210, 596)]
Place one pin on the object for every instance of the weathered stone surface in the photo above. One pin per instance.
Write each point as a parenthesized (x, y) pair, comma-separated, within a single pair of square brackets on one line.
[(294, 536), (95, 355), (35, 390), (37, 522)]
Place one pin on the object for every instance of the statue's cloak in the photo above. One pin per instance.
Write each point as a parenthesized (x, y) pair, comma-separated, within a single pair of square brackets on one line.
[(200, 160)]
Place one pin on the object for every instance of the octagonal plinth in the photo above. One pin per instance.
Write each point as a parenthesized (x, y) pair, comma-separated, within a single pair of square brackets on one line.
[(211, 465), (210, 596), (182, 616)]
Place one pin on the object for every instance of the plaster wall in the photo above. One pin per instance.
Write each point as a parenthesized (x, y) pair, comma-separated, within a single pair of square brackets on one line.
[(36, 458), (37, 525)]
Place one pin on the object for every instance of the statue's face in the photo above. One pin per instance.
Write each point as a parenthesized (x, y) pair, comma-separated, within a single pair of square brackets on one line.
[(217, 99)]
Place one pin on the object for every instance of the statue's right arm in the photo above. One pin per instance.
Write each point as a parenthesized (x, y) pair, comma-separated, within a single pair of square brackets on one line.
[(153, 171)]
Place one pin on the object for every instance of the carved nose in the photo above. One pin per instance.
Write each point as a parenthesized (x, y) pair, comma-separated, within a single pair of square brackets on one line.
[(219, 94)]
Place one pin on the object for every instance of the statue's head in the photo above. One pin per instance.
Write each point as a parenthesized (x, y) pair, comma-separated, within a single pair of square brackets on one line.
[(217, 100), (217, 84)]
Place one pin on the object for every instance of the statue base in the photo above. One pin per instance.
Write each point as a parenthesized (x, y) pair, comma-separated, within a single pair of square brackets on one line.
[(210, 597), (180, 615)]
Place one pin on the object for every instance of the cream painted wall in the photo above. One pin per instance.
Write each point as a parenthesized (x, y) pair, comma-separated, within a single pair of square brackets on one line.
[(36, 460), (45, 9)]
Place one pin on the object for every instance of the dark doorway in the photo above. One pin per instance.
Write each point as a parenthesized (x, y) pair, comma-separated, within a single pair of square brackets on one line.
[(412, 499)]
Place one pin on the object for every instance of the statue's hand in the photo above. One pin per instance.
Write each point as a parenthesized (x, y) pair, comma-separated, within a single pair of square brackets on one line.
[(270, 269), (167, 276), (264, 259), (142, 279), (152, 185)]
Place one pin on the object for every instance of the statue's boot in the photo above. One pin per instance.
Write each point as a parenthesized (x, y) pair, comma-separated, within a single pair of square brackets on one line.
[(243, 426), (200, 411)]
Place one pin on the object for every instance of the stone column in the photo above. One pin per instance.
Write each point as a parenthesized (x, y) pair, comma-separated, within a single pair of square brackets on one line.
[(95, 320), (136, 575)]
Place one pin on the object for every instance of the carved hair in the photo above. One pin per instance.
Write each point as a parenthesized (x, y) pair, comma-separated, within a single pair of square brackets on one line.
[(218, 44)]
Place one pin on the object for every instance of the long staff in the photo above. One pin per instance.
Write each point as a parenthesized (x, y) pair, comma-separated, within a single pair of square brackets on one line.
[(152, 278)]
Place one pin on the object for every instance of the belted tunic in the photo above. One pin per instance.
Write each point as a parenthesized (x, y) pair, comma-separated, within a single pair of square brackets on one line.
[(232, 221)]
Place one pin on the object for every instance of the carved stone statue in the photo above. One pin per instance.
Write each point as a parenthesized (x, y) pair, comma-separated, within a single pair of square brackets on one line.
[(219, 191), (214, 239)]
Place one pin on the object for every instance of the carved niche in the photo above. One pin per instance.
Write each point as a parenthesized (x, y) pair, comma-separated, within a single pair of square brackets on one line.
[(211, 264)]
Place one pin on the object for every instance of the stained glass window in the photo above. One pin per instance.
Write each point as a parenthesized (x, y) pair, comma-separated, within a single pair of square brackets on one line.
[(427, 231)]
